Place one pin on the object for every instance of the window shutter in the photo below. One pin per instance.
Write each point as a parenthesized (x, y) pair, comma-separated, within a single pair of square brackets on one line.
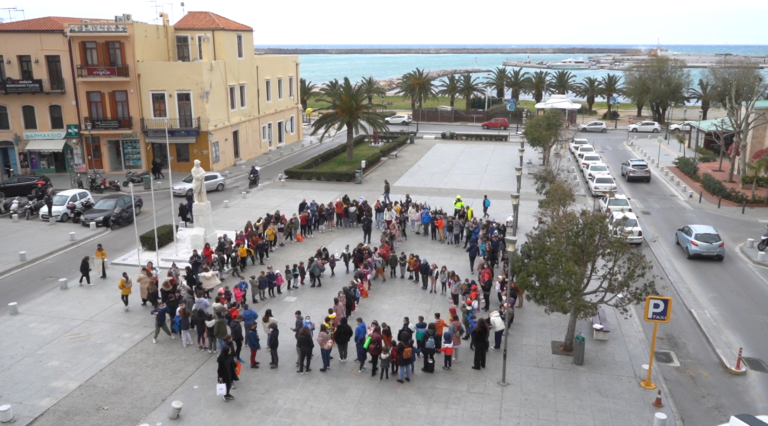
[(103, 105), (112, 105), (122, 58), (83, 60), (103, 53)]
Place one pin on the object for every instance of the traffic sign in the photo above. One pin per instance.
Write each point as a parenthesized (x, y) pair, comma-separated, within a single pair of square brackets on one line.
[(629, 120), (512, 101), (511, 107), (658, 309)]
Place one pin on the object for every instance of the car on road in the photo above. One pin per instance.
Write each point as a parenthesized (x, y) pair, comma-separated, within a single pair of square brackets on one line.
[(593, 126), (636, 169), (399, 119), (614, 203), (700, 241), (684, 126), (584, 149), (595, 169), (626, 224), (588, 160), (21, 186), (645, 126), (576, 143), (601, 185), (104, 211), (64, 198), (214, 181), (496, 123)]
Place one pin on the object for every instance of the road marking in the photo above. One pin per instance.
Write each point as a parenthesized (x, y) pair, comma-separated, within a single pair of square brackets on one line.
[(704, 373)]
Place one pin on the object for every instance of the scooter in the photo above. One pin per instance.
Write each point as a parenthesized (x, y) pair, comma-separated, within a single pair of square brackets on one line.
[(134, 178), (253, 180), (95, 185), (121, 217), (79, 181), (763, 241), (77, 212), (32, 208), (16, 206), (112, 184)]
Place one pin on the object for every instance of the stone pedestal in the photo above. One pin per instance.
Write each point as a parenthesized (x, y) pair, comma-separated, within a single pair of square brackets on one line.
[(204, 231)]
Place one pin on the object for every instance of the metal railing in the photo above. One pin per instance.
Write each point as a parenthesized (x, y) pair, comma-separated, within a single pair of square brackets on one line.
[(102, 71), (173, 123)]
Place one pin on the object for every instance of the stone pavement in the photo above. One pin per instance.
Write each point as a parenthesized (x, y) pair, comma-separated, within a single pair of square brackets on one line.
[(81, 340)]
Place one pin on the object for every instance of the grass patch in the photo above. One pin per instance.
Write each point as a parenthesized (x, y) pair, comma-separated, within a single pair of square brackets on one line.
[(339, 163)]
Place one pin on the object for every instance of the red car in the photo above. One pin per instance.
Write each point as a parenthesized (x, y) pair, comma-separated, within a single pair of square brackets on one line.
[(496, 123)]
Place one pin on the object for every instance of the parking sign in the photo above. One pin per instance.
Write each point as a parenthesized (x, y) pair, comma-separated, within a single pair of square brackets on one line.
[(658, 309)]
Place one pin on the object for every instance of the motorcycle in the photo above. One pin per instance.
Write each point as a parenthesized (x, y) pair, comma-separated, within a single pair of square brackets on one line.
[(79, 181), (121, 217), (95, 185), (77, 212), (32, 208), (253, 180), (112, 184), (763, 241), (132, 177), (15, 206)]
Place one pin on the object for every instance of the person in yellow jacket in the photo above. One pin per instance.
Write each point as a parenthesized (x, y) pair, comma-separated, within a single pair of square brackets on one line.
[(242, 254), (457, 205), (125, 286), (470, 213), (100, 261), (271, 234)]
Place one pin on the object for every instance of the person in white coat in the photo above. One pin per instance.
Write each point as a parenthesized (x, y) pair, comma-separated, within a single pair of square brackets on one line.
[(497, 325)]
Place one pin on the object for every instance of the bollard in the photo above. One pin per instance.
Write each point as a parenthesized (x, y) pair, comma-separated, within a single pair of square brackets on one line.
[(158, 184), (701, 194), (22, 256), (292, 149), (6, 413), (63, 284), (243, 194), (659, 419), (175, 410), (738, 360), (72, 236), (684, 188), (226, 204), (51, 220), (226, 173), (282, 153), (750, 243), (14, 308), (690, 194), (93, 226), (719, 200), (15, 217), (743, 206), (761, 256), (269, 157)]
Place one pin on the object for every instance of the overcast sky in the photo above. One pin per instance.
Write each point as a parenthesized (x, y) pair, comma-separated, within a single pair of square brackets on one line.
[(452, 22)]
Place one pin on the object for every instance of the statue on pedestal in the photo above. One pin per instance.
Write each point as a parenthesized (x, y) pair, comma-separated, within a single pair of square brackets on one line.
[(198, 184)]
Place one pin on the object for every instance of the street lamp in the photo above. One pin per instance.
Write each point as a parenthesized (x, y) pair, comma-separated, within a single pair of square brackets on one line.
[(696, 143), (511, 243), (170, 187), (520, 152), (519, 175), (515, 207), (88, 126)]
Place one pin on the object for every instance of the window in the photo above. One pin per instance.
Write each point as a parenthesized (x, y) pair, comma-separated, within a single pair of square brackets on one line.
[(5, 121), (269, 133), (2, 68), (292, 124), (200, 46), (54, 72), (280, 88), (240, 46), (280, 133), (268, 90), (182, 153), (236, 143), (115, 53), (290, 87), (121, 110), (28, 112), (25, 64), (158, 105), (95, 105), (91, 53), (182, 48), (232, 98), (263, 132), (57, 120), (242, 96)]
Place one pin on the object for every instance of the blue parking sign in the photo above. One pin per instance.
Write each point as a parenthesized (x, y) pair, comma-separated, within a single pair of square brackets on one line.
[(658, 309)]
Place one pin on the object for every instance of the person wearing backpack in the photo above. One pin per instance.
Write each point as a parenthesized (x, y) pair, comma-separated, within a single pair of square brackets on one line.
[(404, 355), (374, 349), (486, 204), (428, 349), (421, 328), (125, 289)]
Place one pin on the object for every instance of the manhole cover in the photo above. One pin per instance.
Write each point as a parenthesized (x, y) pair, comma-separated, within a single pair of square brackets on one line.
[(663, 356), (645, 212), (756, 364)]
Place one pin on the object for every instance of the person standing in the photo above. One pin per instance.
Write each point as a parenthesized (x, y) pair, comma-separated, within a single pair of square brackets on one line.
[(486, 204), (125, 289), (183, 213), (480, 342), (386, 191), (304, 344), (252, 338), (226, 370), (375, 348), (404, 355), (85, 270), (272, 343), (360, 336), (236, 329), (342, 335), (160, 323), (100, 261), (190, 200), (326, 344), (8, 170), (497, 325), (367, 228)]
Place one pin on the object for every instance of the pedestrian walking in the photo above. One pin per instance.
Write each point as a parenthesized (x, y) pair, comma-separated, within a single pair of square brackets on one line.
[(100, 261), (386, 191), (160, 313), (85, 270), (125, 289), (486, 204), (226, 370)]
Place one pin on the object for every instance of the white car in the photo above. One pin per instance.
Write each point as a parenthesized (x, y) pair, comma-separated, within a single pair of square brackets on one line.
[(398, 119), (214, 181), (593, 126), (62, 199), (684, 126), (601, 185), (595, 169), (645, 126), (576, 143), (614, 204), (588, 160), (626, 224), (584, 149)]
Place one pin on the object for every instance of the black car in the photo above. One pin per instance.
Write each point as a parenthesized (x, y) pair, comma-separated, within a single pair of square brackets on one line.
[(115, 208), (21, 186)]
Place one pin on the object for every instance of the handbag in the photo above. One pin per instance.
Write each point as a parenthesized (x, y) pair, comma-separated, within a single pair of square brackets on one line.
[(367, 342), (299, 238), (221, 389), (238, 367)]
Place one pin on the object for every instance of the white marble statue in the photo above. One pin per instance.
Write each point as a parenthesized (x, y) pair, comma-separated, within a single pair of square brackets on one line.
[(198, 183)]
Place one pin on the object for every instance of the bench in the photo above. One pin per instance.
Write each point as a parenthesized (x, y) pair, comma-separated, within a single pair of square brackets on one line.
[(600, 325), (393, 154)]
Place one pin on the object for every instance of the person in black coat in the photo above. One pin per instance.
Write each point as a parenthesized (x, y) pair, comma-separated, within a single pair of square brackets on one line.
[(367, 228), (184, 213), (424, 270), (226, 370), (429, 353), (85, 270), (342, 335), (237, 336), (473, 251), (305, 344), (272, 343), (480, 341)]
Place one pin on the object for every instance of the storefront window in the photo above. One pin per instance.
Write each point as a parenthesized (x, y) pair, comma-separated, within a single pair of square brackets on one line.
[(124, 155), (182, 153), (115, 155)]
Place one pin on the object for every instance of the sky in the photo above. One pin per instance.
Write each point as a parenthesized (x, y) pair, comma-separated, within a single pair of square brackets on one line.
[(428, 22)]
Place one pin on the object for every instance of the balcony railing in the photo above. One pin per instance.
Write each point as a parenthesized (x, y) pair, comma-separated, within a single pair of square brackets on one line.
[(18, 87), (173, 124), (110, 123), (101, 71)]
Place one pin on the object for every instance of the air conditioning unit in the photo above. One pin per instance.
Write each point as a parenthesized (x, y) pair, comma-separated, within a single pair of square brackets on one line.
[(127, 17), (119, 18), (206, 38), (85, 21)]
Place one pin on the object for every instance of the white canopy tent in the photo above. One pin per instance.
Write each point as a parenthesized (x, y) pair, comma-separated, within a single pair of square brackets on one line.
[(558, 102)]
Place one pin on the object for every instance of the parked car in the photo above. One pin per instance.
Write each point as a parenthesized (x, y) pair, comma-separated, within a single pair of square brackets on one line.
[(595, 169), (62, 199), (21, 186), (584, 149), (214, 181), (114, 204), (496, 123), (601, 185), (626, 224), (588, 160), (645, 126), (399, 119), (700, 241), (614, 203), (593, 126), (636, 169), (573, 145), (684, 126)]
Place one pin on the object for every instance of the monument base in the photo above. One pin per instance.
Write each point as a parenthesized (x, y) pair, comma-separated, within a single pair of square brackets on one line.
[(204, 231)]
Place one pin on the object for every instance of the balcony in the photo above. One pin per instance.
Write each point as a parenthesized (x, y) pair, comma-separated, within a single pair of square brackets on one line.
[(19, 87), (99, 71), (150, 124), (110, 123)]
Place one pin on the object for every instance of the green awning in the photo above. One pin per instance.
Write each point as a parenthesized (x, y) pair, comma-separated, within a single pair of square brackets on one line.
[(714, 125)]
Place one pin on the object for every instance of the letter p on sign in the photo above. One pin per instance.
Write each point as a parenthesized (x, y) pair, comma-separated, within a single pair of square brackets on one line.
[(658, 309)]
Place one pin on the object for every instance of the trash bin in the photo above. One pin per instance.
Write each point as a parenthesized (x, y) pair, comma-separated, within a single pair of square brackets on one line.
[(147, 182), (358, 176), (412, 138), (578, 349)]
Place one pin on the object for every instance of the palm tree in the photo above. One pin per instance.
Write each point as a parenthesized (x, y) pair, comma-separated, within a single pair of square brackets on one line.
[(705, 94), (498, 81), (348, 110), (418, 86), (330, 89), (371, 88), (517, 82), (562, 82), (589, 89), (306, 91), (469, 87), (537, 85), (611, 86), (450, 88)]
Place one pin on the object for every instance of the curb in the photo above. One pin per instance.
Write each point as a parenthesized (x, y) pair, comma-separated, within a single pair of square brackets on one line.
[(716, 338), (670, 176), (743, 251)]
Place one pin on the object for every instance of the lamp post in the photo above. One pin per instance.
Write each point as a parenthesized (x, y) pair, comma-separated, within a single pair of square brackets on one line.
[(170, 186), (519, 174), (136, 230), (88, 126), (696, 142), (520, 152), (511, 243)]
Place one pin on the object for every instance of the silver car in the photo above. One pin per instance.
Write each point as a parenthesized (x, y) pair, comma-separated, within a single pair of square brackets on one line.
[(700, 241), (593, 126), (214, 181)]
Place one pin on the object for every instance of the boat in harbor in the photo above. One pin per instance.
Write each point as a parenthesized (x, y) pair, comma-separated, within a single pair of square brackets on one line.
[(569, 64)]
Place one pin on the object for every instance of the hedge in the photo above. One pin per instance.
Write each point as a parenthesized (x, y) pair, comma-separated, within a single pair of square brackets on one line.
[(713, 185), (475, 136), (164, 237), (705, 155), (688, 166)]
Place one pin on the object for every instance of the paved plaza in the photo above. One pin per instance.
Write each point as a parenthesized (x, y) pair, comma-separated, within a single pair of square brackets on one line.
[(74, 358)]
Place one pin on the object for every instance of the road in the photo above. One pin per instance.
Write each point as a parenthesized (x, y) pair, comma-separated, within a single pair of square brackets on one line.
[(732, 291)]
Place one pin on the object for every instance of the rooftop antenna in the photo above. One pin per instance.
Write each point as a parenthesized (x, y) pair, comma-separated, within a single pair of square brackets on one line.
[(156, 9), (182, 9), (10, 9)]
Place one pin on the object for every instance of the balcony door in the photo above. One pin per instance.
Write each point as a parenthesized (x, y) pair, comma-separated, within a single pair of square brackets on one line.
[(120, 108), (95, 105), (184, 104)]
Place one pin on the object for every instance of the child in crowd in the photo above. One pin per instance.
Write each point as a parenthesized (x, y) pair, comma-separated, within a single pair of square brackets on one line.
[(447, 350), (384, 360)]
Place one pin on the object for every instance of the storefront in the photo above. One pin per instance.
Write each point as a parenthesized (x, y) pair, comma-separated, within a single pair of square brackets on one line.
[(123, 151), (49, 152), (185, 146), (8, 156)]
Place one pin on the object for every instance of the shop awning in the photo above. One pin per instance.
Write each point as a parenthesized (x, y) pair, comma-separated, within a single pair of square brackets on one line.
[(172, 140), (46, 145)]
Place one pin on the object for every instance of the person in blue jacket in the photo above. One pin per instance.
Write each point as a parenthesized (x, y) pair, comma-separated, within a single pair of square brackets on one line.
[(361, 332), (249, 316), (424, 270), (426, 220), (252, 339), (486, 204), (472, 320)]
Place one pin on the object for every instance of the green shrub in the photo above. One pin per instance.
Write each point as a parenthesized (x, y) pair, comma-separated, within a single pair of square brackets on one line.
[(387, 113), (713, 185), (500, 111), (705, 155), (164, 237), (688, 166), (480, 136), (614, 115)]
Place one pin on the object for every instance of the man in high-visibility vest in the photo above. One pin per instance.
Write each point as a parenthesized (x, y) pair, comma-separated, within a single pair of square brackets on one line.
[(457, 205)]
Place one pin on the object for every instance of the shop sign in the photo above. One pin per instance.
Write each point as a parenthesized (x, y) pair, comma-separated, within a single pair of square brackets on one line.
[(73, 131), (23, 86), (105, 124), (61, 134), (101, 71), (97, 28)]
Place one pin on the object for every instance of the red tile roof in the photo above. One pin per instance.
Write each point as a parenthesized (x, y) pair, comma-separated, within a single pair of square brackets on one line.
[(208, 21), (45, 24)]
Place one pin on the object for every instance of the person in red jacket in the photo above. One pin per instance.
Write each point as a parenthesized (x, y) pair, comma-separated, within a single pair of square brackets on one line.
[(208, 252)]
